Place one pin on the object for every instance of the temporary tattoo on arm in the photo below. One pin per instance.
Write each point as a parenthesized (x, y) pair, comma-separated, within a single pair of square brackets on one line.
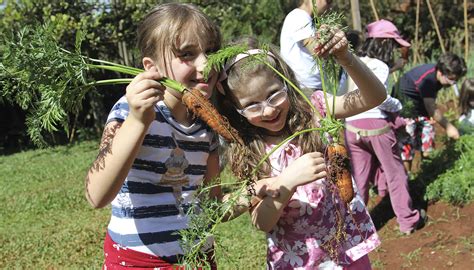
[(105, 148)]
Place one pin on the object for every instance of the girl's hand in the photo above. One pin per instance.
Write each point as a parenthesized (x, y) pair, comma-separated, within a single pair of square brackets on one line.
[(331, 41), (143, 93), (307, 168)]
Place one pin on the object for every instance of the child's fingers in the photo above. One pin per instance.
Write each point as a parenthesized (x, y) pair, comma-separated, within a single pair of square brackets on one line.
[(321, 174), (315, 154), (334, 40), (147, 84), (147, 75), (151, 93)]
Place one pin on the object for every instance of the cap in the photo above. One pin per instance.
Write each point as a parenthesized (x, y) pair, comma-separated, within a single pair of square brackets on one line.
[(385, 29)]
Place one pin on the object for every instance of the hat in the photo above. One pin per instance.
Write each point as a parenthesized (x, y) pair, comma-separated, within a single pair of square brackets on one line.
[(385, 29)]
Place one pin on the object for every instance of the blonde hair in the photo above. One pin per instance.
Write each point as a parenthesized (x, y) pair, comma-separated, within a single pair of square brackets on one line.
[(244, 158), (467, 93), (163, 28)]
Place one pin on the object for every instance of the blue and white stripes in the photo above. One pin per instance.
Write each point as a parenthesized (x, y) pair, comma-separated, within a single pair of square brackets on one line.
[(145, 217)]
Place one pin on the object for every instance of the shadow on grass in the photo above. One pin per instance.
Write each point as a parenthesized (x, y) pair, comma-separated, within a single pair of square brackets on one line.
[(439, 162)]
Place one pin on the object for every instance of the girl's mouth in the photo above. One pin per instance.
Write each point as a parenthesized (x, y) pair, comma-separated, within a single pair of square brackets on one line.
[(274, 119)]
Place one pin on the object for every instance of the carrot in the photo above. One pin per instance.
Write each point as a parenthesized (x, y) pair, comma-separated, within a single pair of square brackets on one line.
[(202, 108), (339, 170)]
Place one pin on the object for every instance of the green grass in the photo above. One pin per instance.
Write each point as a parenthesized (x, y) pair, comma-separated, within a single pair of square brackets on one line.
[(46, 222), (45, 219), (453, 182)]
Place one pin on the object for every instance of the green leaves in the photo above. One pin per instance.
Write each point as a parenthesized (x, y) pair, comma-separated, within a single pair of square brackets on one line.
[(449, 172), (49, 82), (42, 78), (216, 61)]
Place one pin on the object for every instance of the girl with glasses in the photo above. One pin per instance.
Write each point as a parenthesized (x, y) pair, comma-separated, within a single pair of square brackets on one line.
[(302, 224)]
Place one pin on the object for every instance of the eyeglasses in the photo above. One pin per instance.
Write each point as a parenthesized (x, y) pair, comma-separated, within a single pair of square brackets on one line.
[(274, 100), (448, 80)]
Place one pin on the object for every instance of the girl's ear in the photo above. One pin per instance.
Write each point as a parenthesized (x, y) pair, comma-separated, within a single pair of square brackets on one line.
[(148, 63)]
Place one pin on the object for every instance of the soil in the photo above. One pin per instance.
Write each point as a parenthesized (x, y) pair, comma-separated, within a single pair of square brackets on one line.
[(445, 242)]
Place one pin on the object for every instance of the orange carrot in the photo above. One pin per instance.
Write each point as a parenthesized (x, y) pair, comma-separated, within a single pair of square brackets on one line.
[(339, 170), (202, 108)]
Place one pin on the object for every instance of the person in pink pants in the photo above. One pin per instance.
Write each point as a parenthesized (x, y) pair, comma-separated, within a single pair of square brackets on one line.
[(370, 136)]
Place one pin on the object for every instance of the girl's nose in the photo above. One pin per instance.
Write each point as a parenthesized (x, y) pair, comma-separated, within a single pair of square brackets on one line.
[(200, 62), (268, 112)]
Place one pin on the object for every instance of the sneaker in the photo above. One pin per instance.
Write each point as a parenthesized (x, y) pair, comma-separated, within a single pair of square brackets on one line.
[(420, 224)]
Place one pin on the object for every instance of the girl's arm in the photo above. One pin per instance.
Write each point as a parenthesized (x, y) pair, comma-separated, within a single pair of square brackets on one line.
[(121, 142), (371, 92), (212, 173), (118, 148), (305, 169), (430, 106), (242, 201)]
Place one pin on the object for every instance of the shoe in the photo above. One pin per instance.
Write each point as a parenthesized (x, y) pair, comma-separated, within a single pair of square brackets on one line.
[(420, 224)]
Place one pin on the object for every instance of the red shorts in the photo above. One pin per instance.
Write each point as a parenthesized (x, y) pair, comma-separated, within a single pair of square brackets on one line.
[(121, 258)]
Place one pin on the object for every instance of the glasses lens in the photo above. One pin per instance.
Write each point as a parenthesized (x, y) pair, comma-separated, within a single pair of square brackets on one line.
[(252, 110), (277, 98)]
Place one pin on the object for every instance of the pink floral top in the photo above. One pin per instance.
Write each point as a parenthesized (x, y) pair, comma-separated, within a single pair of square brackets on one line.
[(316, 229)]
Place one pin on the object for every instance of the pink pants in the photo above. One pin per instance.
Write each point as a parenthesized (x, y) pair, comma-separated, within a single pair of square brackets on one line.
[(376, 159)]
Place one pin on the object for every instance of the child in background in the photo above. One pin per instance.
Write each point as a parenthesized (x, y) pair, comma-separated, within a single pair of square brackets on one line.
[(420, 86), (154, 153), (308, 226), (466, 104), (370, 136), (296, 36)]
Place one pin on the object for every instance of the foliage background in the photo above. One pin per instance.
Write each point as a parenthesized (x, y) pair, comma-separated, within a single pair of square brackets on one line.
[(111, 31), (42, 191)]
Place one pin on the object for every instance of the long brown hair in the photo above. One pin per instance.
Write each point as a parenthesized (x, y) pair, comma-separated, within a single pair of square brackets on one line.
[(163, 28), (244, 158), (467, 93)]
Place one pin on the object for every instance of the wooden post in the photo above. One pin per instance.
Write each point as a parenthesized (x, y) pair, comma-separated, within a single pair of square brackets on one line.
[(440, 39), (417, 20), (372, 4), (356, 25), (466, 33)]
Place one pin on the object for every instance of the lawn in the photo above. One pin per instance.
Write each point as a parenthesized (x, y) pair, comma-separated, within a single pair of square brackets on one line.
[(46, 221)]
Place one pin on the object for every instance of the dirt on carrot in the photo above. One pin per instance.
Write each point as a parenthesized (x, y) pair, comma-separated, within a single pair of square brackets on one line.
[(339, 170), (202, 108)]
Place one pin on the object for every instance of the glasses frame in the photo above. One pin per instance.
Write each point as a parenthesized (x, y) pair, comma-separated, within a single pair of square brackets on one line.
[(264, 103), (450, 81)]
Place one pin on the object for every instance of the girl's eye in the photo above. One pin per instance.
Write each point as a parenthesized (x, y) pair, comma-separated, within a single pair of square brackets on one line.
[(185, 56), (211, 51)]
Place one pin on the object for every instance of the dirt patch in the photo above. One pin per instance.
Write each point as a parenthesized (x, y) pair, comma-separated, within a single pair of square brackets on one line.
[(446, 242)]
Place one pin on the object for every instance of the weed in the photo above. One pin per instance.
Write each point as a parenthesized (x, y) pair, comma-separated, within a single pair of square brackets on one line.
[(378, 264), (411, 257)]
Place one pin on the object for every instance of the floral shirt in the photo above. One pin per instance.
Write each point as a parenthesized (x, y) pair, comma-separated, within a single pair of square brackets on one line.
[(316, 229)]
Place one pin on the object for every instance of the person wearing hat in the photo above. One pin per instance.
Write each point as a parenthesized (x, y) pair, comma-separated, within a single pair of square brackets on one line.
[(370, 136), (419, 87)]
